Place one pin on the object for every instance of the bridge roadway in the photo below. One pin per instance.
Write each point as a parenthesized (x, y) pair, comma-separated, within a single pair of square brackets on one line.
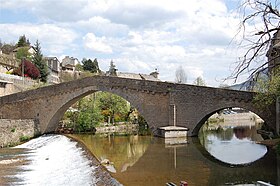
[(154, 100)]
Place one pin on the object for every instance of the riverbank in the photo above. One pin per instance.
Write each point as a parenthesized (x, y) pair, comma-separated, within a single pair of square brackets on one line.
[(270, 142), (101, 174)]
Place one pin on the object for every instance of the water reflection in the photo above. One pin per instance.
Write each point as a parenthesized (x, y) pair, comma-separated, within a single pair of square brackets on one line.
[(120, 152), (232, 144), (156, 163)]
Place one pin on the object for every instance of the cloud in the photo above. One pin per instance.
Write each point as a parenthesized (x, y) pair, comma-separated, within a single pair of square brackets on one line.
[(139, 35), (53, 39), (103, 27), (98, 44)]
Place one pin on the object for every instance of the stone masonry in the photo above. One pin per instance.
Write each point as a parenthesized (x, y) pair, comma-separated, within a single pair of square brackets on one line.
[(154, 100), (13, 131)]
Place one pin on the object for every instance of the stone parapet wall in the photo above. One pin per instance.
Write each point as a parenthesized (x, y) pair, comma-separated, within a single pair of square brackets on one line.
[(13, 132), (17, 79)]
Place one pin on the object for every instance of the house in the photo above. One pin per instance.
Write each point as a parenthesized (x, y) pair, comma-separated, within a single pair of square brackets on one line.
[(69, 64), (30, 49), (53, 69)]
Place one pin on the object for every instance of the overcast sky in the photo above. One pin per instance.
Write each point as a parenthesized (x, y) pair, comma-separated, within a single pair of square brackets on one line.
[(138, 35)]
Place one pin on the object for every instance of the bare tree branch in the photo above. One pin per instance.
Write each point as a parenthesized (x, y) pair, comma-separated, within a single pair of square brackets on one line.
[(258, 43)]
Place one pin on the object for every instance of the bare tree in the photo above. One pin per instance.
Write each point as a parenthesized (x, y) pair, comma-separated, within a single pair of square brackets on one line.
[(181, 76), (199, 81), (258, 42)]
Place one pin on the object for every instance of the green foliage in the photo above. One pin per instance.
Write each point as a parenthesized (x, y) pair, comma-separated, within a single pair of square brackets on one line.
[(278, 148), (79, 67), (37, 59), (112, 106), (23, 53), (24, 138), (89, 65), (269, 92), (112, 70), (13, 129), (23, 42), (97, 108)]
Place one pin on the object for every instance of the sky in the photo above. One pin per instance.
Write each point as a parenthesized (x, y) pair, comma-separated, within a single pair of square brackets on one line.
[(139, 36)]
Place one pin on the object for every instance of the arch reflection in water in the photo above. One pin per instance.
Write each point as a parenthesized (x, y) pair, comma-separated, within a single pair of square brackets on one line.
[(119, 153), (231, 143)]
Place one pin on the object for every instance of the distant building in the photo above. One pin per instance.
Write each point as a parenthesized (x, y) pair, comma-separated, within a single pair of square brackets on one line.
[(138, 76), (30, 49), (53, 69), (273, 54), (69, 64)]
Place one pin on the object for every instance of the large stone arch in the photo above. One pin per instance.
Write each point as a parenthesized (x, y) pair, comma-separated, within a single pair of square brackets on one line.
[(139, 101)]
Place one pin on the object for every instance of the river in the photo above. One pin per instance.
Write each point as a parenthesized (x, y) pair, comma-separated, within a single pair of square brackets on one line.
[(227, 156)]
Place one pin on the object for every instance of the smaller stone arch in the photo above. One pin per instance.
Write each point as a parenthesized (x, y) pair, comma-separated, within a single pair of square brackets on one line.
[(204, 118)]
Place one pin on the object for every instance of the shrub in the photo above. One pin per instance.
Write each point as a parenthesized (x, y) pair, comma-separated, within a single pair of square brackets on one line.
[(24, 138), (30, 70)]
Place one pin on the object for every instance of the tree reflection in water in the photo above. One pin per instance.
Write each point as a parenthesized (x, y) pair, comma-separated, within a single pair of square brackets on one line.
[(227, 140)]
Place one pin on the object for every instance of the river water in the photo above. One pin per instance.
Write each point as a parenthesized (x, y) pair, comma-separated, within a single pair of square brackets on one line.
[(224, 156)]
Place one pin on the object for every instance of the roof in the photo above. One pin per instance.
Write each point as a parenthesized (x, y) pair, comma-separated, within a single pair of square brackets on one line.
[(69, 61), (137, 76), (28, 47), (51, 58)]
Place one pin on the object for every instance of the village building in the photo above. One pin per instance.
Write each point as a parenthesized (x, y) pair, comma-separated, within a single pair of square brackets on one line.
[(69, 64), (273, 54), (30, 49), (53, 69)]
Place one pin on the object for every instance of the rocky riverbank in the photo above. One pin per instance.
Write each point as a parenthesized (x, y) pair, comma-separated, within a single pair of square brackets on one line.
[(101, 174)]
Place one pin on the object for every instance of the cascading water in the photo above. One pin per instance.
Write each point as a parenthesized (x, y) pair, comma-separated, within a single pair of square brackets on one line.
[(55, 160)]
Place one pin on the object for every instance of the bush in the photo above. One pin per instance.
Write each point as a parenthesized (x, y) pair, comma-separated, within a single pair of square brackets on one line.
[(24, 138), (30, 70)]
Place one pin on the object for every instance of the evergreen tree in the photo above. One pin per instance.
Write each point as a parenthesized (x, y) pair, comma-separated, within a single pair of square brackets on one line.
[(112, 70), (23, 42), (95, 63), (38, 60), (92, 66)]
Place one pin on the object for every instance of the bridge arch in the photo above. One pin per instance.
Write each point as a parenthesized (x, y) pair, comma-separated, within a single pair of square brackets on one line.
[(53, 123), (206, 116)]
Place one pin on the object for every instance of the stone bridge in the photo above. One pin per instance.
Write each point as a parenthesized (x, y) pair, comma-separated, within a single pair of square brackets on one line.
[(154, 100)]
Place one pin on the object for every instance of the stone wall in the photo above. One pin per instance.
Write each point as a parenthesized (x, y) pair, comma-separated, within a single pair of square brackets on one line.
[(124, 128), (13, 132)]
